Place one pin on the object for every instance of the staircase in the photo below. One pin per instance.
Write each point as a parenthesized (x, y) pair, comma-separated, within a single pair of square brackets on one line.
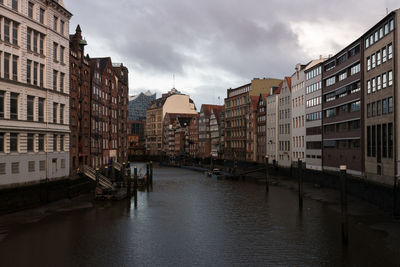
[(117, 165), (103, 181)]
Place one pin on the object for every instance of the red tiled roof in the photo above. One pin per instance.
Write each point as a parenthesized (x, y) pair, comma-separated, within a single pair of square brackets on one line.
[(206, 108)]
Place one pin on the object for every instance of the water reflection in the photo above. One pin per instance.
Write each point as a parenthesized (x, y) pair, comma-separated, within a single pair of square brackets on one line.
[(193, 220)]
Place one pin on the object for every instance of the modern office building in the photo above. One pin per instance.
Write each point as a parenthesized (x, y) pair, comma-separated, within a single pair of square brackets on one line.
[(381, 99), (313, 111), (342, 110), (138, 105), (34, 110)]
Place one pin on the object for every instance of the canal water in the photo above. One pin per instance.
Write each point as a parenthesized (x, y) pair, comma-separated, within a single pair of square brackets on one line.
[(192, 220)]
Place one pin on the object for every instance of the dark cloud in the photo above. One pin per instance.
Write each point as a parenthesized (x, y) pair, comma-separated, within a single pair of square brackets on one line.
[(237, 39)]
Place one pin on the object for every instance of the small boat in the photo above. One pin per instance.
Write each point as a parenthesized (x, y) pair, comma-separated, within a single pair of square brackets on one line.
[(216, 173), (208, 173)]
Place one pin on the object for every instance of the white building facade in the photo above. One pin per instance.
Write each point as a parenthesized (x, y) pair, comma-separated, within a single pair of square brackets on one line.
[(34, 91), (272, 125), (298, 113)]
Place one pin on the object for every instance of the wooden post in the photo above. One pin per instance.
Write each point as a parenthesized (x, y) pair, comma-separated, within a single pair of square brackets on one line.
[(395, 197), (151, 173), (97, 181), (128, 177), (147, 176), (343, 182), (266, 175), (135, 185), (300, 174), (234, 164)]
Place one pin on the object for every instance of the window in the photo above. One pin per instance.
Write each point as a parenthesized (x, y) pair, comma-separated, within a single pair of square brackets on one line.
[(373, 85), (390, 51), (31, 166), (2, 142), (30, 10), (15, 33), (62, 27), (15, 68), (14, 106), (1, 104), (373, 63), (6, 66), (369, 113), (41, 15), (378, 83), (41, 78), (41, 44), (384, 141), (42, 165), (384, 106), (330, 81), (41, 109), (15, 167), (368, 63), (341, 59), (342, 75), (355, 69), (54, 112), (55, 47), (15, 5), (391, 25), (384, 82), (29, 107), (35, 73), (355, 106), (390, 140), (62, 49), (380, 33), (386, 28), (28, 71), (62, 75), (55, 73), (29, 39), (367, 43), (384, 55), (390, 78), (390, 105), (62, 113), (373, 141), (378, 58), (41, 142), (330, 112), (62, 137), (6, 30), (378, 107), (55, 142), (13, 142), (30, 143), (35, 42), (55, 22)]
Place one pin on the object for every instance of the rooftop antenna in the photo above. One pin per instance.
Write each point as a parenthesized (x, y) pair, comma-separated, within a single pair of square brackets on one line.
[(219, 100), (173, 77), (387, 11)]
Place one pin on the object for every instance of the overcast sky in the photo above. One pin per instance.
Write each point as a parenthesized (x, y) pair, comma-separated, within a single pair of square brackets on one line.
[(212, 45)]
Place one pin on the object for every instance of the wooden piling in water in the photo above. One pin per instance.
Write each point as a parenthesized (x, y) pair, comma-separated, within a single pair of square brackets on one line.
[(266, 175), (135, 185), (128, 177), (147, 177), (343, 182), (300, 177), (151, 174)]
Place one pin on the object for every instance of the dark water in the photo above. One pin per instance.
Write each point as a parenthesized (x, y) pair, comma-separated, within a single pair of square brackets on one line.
[(192, 220)]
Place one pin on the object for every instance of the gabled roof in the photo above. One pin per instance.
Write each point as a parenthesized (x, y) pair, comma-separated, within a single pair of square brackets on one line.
[(289, 83), (278, 90), (103, 61), (206, 109), (254, 102)]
